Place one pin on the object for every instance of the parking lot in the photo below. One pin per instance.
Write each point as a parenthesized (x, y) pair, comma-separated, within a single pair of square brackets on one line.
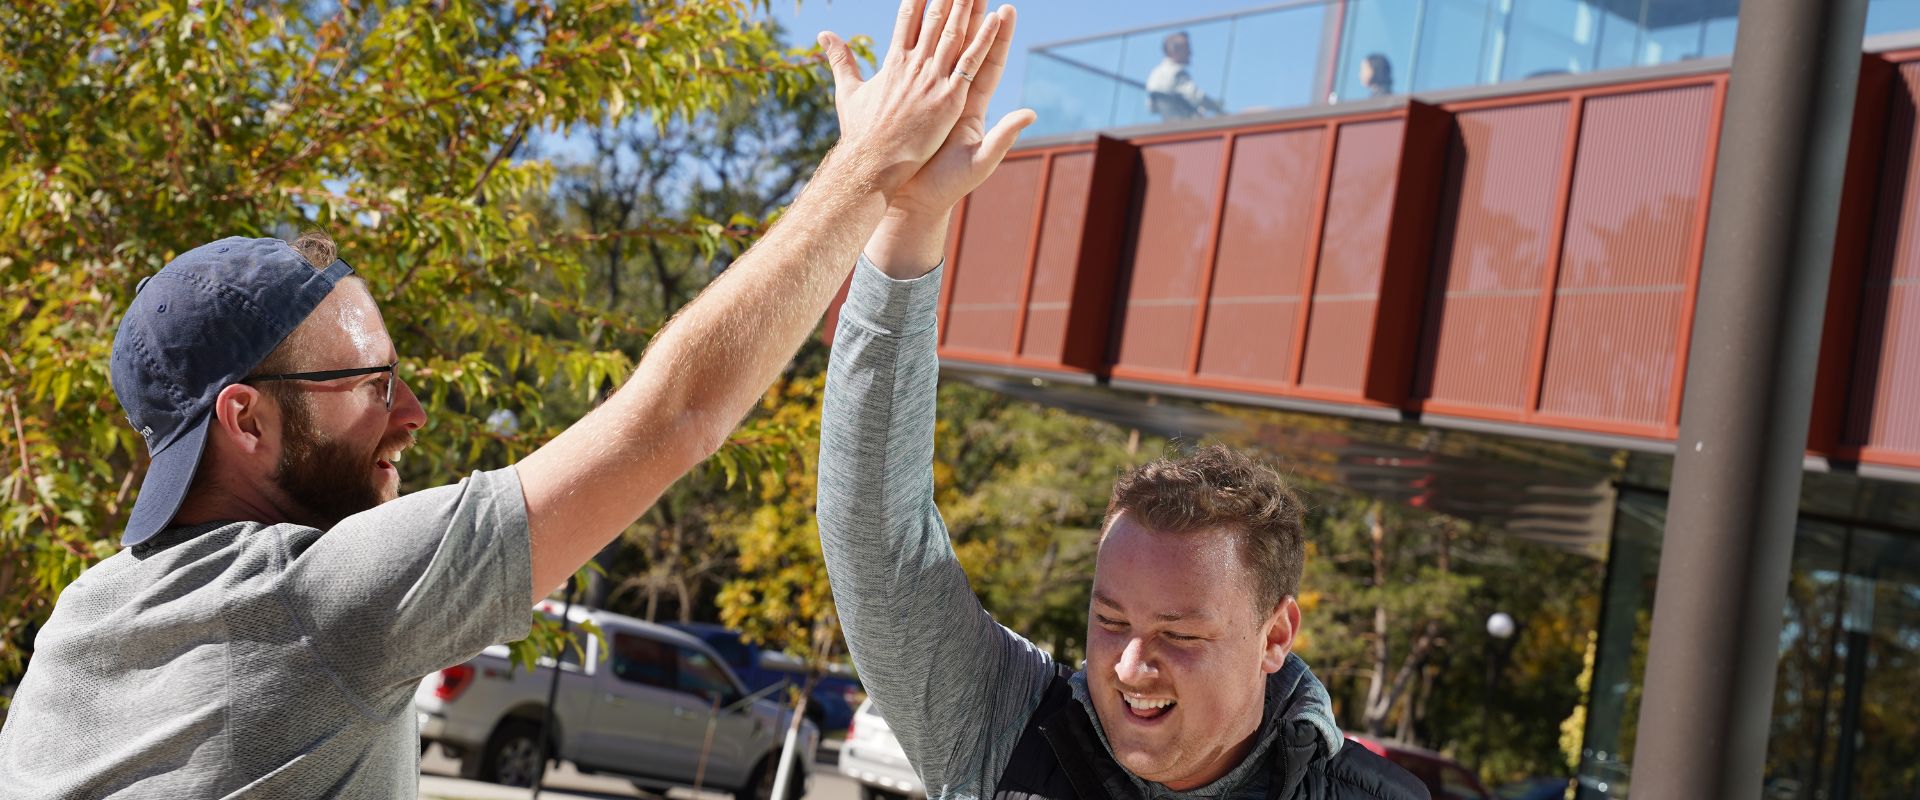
[(438, 782)]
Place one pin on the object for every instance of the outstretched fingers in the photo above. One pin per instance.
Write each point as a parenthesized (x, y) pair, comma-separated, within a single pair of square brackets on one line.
[(846, 70), (953, 35), (1000, 140), (988, 78), (969, 65), (931, 21), (904, 26)]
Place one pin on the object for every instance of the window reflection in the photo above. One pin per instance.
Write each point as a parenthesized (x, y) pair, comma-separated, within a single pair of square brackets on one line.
[(1376, 31), (1846, 722), (1336, 51)]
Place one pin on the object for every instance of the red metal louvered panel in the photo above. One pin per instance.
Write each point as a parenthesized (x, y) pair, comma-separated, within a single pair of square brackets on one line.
[(1627, 257), (1853, 246), (1263, 241), (1174, 227), (1884, 422), (990, 274), (1497, 232), (1346, 291), (1056, 264)]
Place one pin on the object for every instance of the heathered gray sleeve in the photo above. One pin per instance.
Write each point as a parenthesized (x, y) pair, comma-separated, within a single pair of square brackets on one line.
[(955, 686), (415, 585)]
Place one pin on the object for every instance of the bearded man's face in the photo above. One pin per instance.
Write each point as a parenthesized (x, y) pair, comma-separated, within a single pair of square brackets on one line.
[(332, 478)]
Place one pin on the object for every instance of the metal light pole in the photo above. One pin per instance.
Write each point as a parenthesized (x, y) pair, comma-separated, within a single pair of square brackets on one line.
[(1748, 396), (553, 691), (1500, 629)]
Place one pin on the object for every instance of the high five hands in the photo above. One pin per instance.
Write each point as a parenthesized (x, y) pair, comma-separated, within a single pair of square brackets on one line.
[(923, 114)]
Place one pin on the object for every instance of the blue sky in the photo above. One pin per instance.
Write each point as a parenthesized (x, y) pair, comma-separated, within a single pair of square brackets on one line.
[(1041, 21)]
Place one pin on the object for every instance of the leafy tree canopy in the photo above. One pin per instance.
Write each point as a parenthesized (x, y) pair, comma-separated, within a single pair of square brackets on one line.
[(137, 130)]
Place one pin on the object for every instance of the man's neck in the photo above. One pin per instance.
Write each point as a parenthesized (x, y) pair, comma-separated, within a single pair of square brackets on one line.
[(1222, 766), (213, 501)]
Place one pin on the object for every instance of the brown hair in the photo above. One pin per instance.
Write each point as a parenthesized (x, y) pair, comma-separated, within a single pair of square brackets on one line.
[(1166, 45), (317, 248), (1217, 487)]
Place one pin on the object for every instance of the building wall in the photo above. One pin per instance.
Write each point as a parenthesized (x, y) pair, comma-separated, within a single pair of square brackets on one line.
[(1524, 260)]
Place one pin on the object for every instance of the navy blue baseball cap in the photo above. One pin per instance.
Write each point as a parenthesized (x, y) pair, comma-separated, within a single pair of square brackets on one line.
[(200, 324)]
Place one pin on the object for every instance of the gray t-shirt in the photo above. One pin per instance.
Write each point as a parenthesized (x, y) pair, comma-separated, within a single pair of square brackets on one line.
[(268, 661)]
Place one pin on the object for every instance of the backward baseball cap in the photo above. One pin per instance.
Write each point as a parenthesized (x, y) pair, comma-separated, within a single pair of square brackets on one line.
[(199, 325)]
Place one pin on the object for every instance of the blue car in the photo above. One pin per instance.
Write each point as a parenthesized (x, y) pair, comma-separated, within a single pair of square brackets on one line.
[(833, 700)]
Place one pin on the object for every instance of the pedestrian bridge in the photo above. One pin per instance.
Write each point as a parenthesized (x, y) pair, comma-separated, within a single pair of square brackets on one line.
[(1519, 259)]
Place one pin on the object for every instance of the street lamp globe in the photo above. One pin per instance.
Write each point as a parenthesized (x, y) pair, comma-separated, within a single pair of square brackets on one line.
[(1500, 625)]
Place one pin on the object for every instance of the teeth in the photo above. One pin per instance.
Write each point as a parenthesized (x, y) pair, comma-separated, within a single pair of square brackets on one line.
[(1143, 704)]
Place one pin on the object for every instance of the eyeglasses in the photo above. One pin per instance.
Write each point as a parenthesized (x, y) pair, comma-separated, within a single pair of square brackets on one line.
[(334, 374)]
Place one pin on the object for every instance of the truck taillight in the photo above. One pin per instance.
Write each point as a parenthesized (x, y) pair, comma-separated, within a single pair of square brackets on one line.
[(453, 681)]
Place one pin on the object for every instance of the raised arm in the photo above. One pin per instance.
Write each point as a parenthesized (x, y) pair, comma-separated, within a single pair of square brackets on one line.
[(955, 687), (708, 366)]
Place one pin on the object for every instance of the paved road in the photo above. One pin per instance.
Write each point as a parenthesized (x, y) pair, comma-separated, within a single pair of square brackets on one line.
[(437, 782)]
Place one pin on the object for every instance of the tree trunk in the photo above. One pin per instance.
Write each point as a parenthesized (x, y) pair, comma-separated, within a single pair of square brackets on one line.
[(1404, 731), (1378, 701)]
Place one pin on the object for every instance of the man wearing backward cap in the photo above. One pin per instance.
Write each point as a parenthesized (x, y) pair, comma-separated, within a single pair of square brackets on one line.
[(276, 600)]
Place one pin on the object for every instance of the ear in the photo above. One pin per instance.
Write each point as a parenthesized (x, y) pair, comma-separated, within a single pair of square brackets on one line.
[(247, 421), (1279, 631)]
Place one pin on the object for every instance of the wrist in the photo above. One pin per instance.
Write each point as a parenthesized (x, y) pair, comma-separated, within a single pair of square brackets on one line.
[(851, 173), (908, 243), (866, 168)]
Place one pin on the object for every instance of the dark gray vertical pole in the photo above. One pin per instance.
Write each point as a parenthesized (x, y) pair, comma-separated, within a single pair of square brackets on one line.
[(1705, 714)]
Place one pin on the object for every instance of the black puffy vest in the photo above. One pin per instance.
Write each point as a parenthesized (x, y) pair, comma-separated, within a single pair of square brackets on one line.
[(1060, 757)]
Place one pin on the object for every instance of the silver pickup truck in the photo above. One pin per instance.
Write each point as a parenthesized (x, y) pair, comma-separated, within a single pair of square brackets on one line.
[(659, 709)]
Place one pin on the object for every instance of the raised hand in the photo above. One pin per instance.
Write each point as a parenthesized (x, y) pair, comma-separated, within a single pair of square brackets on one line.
[(971, 152), (906, 112), (908, 242)]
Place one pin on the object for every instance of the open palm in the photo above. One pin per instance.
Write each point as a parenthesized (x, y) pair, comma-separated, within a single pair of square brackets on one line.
[(970, 152)]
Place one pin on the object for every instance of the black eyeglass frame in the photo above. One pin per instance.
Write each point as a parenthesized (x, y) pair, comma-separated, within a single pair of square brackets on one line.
[(334, 375)]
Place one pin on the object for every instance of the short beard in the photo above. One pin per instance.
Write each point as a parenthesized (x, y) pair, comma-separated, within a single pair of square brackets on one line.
[(327, 480)]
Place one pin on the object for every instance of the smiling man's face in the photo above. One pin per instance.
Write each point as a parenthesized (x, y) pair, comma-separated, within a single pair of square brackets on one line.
[(1177, 655), (340, 438)]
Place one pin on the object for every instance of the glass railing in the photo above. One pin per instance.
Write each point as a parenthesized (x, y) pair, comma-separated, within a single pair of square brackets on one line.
[(1310, 52)]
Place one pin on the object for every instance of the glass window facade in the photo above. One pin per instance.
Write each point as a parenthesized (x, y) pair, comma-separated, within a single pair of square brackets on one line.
[(1337, 51), (1846, 723)]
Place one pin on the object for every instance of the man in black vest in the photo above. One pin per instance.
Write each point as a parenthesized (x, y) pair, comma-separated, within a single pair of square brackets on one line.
[(1190, 687)]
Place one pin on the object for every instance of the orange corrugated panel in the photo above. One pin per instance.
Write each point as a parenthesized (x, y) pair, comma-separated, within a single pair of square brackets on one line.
[(1496, 236), (988, 278), (1181, 180), (1886, 397), (1053, 269), (1263, 243), (1623, 275), (1353, 249)]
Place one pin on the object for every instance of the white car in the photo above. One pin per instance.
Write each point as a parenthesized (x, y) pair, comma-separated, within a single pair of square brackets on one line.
[(873, 757), (644, 712)]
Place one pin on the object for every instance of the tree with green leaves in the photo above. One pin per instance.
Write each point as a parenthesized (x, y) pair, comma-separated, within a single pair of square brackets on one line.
[(739, 164), (387, 113), (1396, 601), (138, 130)]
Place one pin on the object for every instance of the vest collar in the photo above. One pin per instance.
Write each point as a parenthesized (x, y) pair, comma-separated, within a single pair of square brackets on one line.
[(1298, 721)]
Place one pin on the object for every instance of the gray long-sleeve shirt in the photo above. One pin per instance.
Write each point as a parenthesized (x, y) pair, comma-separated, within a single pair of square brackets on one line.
[(956, 687)]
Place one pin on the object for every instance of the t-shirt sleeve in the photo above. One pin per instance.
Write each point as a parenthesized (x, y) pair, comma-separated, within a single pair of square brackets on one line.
[(417, 584)]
